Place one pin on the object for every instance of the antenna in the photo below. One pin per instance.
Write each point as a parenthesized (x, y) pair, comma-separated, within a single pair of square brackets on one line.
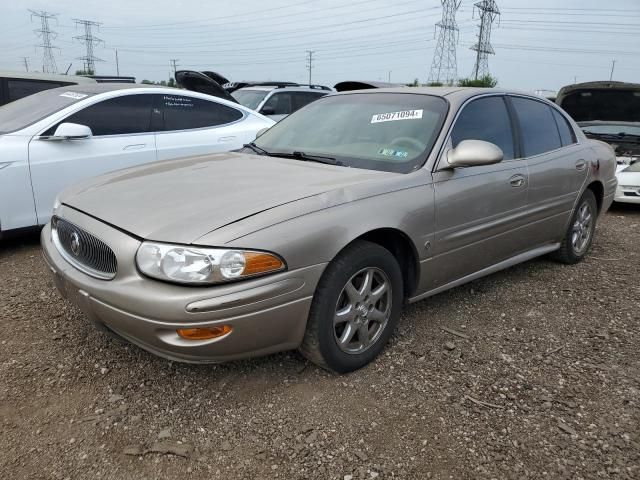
[(444, 67), (89, 41), (489, 11), (47, 35)]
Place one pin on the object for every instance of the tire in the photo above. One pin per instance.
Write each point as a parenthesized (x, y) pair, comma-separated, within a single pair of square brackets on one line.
[(579, 235), (367, 316)]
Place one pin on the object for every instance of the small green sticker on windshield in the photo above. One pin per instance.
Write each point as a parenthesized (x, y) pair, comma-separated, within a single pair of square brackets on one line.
[(390, 152)]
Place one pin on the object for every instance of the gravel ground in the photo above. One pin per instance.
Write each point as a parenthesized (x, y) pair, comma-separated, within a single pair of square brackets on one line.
[(542, 380)]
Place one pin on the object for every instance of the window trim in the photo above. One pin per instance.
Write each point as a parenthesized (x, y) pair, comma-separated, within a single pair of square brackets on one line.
[(162, 122)]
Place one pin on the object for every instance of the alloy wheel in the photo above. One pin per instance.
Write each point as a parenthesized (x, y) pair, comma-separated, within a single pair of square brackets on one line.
[(363, 310), (582, 229)]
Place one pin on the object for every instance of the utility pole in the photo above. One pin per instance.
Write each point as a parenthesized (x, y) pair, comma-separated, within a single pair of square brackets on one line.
[(25, 62), (444, 67), (89, 41), (310, 63), (174, 63), (47, 35), (117, 64), (613, 67), (389, 77), (489, 11)]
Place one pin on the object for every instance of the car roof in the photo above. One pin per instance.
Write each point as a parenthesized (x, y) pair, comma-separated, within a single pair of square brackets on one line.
[(457, 94), (51, 77)]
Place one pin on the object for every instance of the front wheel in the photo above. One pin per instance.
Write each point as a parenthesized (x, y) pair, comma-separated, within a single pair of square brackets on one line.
[(355, 308), (579, 235)]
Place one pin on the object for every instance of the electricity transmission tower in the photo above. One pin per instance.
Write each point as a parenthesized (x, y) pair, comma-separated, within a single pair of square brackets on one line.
[(489, 11), (444, 67), (310, 63), (47, 35), (89, 60)]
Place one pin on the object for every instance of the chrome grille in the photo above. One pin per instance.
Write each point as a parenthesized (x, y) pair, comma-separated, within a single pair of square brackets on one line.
[(83, 250)]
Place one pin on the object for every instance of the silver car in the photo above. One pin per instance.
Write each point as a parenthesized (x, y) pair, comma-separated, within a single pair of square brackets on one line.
[(315, 235)]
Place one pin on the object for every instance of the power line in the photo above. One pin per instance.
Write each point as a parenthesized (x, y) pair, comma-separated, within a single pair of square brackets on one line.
[(47, 35), (445, 65), (310, 63), (488, 12), (90, 41)]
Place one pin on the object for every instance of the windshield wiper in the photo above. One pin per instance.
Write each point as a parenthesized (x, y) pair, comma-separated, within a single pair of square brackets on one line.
[(315, 158), (255, 148)]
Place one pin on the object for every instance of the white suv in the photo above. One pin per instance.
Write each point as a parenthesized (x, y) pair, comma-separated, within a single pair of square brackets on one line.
[(276, 102)]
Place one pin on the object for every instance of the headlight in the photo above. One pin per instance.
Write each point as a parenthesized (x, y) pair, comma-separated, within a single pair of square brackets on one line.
[(199, 265)]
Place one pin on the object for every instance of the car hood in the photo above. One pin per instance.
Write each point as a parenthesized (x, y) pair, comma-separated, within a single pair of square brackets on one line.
[(601, 101), (182, 200)]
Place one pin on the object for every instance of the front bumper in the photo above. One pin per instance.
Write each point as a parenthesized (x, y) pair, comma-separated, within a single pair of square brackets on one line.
[(266, 314), (628, 194)]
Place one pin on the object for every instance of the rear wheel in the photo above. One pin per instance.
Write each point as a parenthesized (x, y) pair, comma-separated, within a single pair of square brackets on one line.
[(579, 236), (355, 308)]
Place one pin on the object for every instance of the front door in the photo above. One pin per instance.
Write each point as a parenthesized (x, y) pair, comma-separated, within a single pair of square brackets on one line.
[(478, 209), (121, 138)]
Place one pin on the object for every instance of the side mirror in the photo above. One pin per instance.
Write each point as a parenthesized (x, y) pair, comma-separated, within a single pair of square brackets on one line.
[(261, 131), (471, 153), (268, 110), (71, 131)]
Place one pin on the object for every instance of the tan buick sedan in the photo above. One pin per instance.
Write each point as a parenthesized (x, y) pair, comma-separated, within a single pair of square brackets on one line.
[(315, 235)]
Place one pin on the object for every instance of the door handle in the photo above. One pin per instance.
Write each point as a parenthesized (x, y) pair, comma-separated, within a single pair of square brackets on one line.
[(517, 180), (581, 164), (226, 139), (137, 146)]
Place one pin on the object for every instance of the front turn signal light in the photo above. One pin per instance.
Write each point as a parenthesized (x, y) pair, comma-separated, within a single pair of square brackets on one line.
[(258, 262), (204, 333)]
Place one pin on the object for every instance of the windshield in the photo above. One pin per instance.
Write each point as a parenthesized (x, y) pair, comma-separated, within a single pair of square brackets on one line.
[(17, 115), (609, 129), (393, 132), (249, 98)]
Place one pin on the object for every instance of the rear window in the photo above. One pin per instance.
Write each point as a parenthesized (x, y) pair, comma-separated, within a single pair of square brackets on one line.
[(249, 98), (184, 113), (17, 115)]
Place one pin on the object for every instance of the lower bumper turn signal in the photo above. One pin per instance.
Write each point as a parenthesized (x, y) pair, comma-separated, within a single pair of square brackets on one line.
[(205, 333)]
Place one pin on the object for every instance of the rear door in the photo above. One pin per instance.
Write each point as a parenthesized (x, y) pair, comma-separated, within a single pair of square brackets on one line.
[(557, 163), (195, 126), (121, 138), (479, 209)]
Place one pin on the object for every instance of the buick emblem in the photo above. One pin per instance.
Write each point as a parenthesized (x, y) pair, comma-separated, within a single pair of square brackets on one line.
[(75, 243)]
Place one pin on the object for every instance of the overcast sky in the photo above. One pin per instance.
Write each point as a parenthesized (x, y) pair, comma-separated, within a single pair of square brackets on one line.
[(544, 46)]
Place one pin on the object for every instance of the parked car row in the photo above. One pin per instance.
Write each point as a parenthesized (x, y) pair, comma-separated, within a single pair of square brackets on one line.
[(315, 234)]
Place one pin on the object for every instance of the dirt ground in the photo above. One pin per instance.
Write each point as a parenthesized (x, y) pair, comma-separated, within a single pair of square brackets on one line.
[(543, 382)]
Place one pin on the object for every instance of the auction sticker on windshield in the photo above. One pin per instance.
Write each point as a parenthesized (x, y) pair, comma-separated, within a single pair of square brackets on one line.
[(393, 116)]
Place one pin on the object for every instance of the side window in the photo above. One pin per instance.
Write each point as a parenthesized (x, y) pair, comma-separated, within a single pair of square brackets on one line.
[(116, 116), (567, 135), (486, 119), (185, 113), (18, 88), (300, 99), (280, 102), (537, 125)]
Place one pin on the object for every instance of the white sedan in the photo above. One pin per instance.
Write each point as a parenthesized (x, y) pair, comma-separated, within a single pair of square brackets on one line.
[(57, 137), (628, 190)]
